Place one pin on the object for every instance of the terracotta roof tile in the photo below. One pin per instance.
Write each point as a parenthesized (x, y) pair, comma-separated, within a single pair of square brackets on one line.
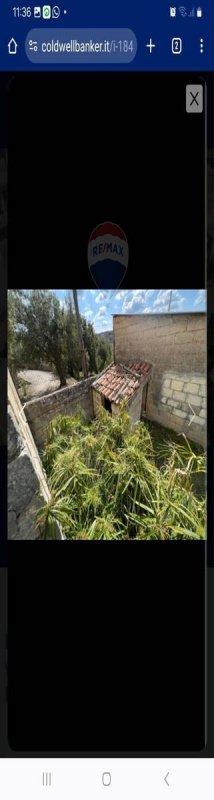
[(121, 381)]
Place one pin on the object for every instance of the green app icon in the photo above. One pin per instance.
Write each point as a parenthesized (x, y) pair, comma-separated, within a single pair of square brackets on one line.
[(46, 12)]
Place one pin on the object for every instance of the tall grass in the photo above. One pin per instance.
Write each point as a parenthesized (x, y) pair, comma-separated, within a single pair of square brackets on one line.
[(109, 480)]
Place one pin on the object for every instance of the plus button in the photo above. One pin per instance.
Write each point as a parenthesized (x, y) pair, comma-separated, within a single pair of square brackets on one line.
[(150, 46)]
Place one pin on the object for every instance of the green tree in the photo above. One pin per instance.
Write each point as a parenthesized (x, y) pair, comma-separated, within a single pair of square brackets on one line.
[(90, 344), (57, 341), (42, 329), (16, 360), (104, 353), (11, 332), (73, 349), (80, 335)]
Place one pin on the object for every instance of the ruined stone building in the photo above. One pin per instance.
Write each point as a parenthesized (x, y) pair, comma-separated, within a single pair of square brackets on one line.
[(123, 383)]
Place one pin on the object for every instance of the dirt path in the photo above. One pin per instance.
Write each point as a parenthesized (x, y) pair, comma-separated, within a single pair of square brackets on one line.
[(38, 383)]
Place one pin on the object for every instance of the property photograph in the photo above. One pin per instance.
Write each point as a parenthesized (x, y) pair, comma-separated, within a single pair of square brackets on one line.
[(106, 414)]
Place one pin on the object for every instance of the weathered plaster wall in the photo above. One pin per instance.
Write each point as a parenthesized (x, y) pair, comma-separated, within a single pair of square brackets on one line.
[(176, 345), (135, 407), (27, 487), (97, 401)]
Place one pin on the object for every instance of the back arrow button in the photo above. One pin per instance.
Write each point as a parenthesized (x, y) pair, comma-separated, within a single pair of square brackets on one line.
[(166, 776)]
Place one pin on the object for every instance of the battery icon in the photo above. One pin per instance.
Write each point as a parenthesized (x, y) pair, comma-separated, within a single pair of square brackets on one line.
[(199, 12)]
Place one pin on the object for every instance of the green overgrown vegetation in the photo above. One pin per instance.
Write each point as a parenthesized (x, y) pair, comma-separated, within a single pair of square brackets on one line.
[(41, 331), (109, 480)]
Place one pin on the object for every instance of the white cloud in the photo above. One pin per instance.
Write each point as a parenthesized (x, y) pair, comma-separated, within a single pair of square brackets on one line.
[(130, 305), (143, 293), (100, 297), (121, 295), (169, 299), (102, 311), (200, 297), (102, 322), (147, 310), (163, 309), (135, 299), (127, 296), (88, 312), (163, 295)]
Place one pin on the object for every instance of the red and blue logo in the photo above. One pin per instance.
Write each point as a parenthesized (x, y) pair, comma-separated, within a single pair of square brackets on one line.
[(108, 255)]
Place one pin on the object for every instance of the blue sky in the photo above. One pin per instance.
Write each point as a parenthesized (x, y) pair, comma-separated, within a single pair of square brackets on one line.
[(98, 306)]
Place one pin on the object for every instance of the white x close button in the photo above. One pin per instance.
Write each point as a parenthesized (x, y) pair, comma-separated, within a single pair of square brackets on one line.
[(194, 98)]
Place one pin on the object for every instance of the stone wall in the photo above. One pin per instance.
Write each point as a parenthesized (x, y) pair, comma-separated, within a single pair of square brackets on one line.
[(27, 487), (66, 402), (176, 346)]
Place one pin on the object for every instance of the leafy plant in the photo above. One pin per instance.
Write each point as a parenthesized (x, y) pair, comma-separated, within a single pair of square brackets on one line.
[(111, 481)]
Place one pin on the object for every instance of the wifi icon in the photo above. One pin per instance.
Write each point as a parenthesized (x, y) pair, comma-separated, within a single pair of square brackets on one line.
[(183, 11)]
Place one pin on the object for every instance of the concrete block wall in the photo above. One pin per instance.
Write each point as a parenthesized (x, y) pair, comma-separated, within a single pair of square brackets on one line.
[(27, 487), (176, 346), (185, 400), (66, 402)]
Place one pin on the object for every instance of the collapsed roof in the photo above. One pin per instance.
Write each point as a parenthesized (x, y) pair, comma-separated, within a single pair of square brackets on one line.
[(121, 381)]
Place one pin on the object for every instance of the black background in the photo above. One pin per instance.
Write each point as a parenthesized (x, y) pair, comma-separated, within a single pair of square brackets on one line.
[(107, 641), (85, 148)]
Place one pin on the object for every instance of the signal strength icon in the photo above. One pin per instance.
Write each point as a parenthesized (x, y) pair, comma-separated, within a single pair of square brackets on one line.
[(192, 13)]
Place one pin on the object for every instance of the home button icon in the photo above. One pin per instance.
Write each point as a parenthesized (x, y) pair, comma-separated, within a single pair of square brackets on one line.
[(12, 47)]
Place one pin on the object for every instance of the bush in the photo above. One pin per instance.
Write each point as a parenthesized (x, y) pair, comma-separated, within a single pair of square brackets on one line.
[(111, 481)]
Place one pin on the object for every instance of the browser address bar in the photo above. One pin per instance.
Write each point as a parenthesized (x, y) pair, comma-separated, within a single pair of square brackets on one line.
[(82, 45)]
